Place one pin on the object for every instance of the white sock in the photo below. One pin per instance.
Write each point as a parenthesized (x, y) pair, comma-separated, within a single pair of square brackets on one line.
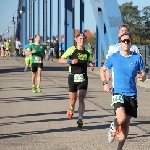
[(72, 107), (80, 118)]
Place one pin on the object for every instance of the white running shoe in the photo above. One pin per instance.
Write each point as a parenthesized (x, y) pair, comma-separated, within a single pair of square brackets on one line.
[(111, 133)]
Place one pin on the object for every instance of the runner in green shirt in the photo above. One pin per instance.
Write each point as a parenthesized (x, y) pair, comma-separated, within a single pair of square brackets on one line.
[(37, 50), (7, 47), (78, 59)]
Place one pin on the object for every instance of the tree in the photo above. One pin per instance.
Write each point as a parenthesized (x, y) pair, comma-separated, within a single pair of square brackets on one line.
[(139, 22), (129, 13), (91, 40), (146, 23)]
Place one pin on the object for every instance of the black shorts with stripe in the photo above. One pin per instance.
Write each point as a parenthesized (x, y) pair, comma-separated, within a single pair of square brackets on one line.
[(130, 104)]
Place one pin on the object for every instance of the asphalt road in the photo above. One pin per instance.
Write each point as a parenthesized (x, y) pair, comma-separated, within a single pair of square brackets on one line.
[(38, 121)]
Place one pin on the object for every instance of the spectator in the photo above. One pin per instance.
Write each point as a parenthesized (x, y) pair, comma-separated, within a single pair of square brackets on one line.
[(52, 47), (17, 47), (89, 46), (2, 43), (62, 47), (56, 48)]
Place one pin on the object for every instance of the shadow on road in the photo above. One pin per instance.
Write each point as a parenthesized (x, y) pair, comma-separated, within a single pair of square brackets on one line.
[(34, 98), (55, 68), (68, 129), (19, 69), (134, 136), (51, 120)]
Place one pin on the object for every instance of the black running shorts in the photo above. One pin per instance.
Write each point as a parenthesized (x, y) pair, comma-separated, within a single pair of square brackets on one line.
[(74, 86), (130, 104), (35, 66)]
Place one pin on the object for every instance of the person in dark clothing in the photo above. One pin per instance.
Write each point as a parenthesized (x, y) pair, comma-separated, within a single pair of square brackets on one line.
[(56, 48), (52, 48)]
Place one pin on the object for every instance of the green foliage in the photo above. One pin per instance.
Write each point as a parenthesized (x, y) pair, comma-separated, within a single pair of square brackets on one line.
[(129, 13), (138, 20), (91, 40)]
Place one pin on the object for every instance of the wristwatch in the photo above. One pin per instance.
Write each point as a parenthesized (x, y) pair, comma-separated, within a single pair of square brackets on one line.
[(105, 82)]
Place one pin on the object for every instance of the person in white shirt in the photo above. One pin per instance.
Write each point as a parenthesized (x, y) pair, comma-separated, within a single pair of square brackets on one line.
[(116, 47), (17, 47), (2, 49)]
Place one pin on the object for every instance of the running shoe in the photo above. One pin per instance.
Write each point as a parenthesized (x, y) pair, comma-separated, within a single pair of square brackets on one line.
[(70, 113), (111, 133), (38, 90), (34, 89), (80, 123)]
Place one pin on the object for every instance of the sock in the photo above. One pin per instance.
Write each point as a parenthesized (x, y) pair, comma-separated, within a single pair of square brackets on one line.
[(80, 118), (72, 107)]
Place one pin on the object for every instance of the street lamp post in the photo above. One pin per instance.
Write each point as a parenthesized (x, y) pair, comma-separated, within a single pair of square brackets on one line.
[(8, 31), (13, 22), (4, 32), (8, 28)]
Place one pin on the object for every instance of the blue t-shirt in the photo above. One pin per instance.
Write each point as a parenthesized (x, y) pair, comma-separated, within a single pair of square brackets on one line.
[(26, 47), (125, 70), (2, 42), (62, 45)]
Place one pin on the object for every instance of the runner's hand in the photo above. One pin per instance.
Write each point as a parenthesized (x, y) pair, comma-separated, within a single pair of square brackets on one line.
[(107, 88), (91, 66), (34, 51), (74, 61), (140, 77)]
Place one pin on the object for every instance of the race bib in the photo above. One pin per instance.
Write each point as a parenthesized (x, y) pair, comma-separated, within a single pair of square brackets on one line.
[(78, 78), (37, 60), (117, 99)]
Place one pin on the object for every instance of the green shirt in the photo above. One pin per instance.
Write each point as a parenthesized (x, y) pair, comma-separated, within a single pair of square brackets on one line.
[(7, 45), (38, 56)]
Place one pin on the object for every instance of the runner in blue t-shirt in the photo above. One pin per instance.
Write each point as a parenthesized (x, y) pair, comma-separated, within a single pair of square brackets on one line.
[(27, 56), (126, 66), (116, 47)]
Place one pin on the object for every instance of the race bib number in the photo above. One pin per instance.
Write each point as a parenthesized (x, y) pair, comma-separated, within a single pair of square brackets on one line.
[(117, 99), (37, 60), (78, 78)]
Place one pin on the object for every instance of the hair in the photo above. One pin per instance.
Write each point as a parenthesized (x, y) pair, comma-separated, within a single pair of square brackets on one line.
[(79, 34), (123, 35), (124, 26), (37, 35)]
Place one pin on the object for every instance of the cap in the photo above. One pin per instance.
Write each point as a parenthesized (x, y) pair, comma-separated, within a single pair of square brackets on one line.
[(31, 38), (81, 34)]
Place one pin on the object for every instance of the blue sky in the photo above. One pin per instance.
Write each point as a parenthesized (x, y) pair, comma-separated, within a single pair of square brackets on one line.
[(6, 14)]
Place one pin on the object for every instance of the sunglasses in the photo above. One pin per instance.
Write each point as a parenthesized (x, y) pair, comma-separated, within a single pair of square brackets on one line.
[(126, 41)]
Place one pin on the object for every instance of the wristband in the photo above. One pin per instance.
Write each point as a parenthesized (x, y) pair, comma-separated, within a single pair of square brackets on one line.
[(105, 82), (69, 61)]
